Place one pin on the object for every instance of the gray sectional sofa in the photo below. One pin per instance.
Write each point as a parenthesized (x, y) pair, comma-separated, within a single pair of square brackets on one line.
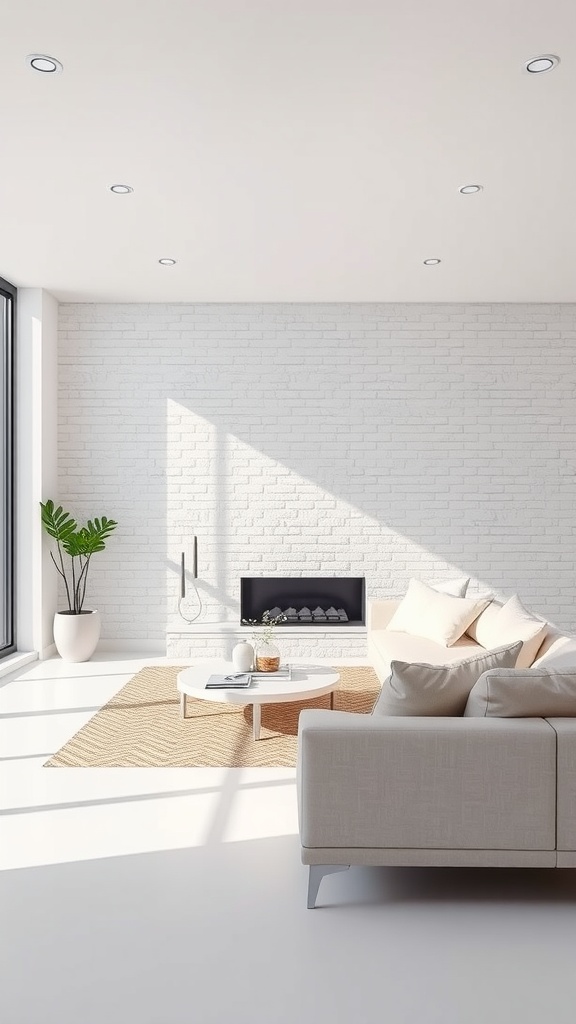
[(437, 791)]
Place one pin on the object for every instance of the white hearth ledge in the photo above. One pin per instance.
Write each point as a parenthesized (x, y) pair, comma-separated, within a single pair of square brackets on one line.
[(216, 640)]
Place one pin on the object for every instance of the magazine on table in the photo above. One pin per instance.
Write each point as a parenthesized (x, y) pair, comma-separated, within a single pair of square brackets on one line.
[(229, 681), (241, 680)]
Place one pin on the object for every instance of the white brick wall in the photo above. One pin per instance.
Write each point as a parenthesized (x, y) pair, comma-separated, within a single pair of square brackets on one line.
[(385, 440)]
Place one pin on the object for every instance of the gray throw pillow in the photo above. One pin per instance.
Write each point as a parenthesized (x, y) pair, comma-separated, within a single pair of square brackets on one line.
[(523, 693), (414, 688)]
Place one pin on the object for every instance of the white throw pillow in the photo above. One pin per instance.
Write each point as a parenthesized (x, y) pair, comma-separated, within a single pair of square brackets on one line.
[(503, 624), (482, 625), (439, 617), (456, 588), (418, 689), (525, 693)]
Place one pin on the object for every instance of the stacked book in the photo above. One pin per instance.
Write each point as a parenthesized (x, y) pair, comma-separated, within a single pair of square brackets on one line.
[(241, 680)]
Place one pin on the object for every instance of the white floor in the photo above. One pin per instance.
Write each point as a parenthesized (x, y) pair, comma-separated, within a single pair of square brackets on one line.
[(176, 896)]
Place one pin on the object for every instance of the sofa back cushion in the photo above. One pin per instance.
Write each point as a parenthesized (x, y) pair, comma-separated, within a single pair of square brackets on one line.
[(439, 617), (503, 624), (523, 693), (386, 646), (419, 689)]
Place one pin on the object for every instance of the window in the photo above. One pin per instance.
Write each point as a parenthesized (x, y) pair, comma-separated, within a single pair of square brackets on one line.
[(7, 321)]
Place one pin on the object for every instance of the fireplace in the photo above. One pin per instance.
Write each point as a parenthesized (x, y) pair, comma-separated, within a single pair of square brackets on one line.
[(305, 600)]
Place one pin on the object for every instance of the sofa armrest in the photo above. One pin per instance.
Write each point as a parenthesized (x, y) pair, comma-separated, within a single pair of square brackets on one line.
[(380, 613), (425, 783), (565, 729)]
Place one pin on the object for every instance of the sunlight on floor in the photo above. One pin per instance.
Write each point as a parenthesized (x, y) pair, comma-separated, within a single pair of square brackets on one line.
[(59, 815)]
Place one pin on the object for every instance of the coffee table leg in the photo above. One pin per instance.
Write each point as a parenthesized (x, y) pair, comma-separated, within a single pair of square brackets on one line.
[(332, 700), (256, 715), (183, 705)]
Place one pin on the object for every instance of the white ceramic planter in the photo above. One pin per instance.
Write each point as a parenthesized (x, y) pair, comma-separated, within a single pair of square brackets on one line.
[(243, 658), (76, 636)]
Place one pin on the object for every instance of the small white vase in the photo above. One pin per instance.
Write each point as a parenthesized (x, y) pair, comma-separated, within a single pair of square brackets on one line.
[(76, 636), (243, 657)]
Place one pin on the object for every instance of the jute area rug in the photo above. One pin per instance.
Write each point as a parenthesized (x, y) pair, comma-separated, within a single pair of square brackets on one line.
[(141, 726)]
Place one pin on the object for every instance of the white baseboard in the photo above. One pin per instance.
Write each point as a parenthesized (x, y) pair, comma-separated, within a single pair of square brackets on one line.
[(14, 662)]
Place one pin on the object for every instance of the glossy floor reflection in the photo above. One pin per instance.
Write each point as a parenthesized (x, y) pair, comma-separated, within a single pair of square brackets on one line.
[(169, 896)]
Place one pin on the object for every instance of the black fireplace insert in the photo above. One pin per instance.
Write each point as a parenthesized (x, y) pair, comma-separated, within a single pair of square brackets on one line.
[(306, 600)]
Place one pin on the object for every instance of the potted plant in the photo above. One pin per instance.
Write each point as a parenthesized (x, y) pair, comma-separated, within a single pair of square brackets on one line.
[(267, 654), (77, 630)]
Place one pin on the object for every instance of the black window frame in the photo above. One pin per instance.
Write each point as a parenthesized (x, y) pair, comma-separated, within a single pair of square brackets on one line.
[(8, 539)]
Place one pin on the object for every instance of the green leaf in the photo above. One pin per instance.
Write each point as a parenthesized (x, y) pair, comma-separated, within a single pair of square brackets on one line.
[(57, 523), (75, 541), (89, 539)]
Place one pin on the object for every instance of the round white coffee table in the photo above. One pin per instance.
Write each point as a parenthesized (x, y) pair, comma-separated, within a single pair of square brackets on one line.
[(307, 681)]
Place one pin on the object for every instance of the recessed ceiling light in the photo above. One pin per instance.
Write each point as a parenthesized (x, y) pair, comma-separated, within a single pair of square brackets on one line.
[(431, 263), (545, 62), (41, 62), (121, 190), (467, 190), (167, 263)]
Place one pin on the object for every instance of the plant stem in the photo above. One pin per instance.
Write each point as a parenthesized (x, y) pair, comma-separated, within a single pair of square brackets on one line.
[(62, 572), (74, 585), (83, 583)]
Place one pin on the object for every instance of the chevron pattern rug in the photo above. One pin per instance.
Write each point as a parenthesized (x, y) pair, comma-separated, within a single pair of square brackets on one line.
[(141, 726)]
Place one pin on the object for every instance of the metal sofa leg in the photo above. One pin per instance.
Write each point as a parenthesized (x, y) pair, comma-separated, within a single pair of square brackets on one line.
[(316, 874)]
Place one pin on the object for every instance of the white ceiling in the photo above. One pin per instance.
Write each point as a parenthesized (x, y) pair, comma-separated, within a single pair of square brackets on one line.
[(289, 150)]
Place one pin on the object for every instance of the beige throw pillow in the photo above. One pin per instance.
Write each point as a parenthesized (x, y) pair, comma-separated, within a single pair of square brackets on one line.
[(418, 689), (526, 693), (439, 617), (503, 624)]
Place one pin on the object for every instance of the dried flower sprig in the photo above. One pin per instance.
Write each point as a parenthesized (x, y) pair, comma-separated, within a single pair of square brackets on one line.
[(264, 631)]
